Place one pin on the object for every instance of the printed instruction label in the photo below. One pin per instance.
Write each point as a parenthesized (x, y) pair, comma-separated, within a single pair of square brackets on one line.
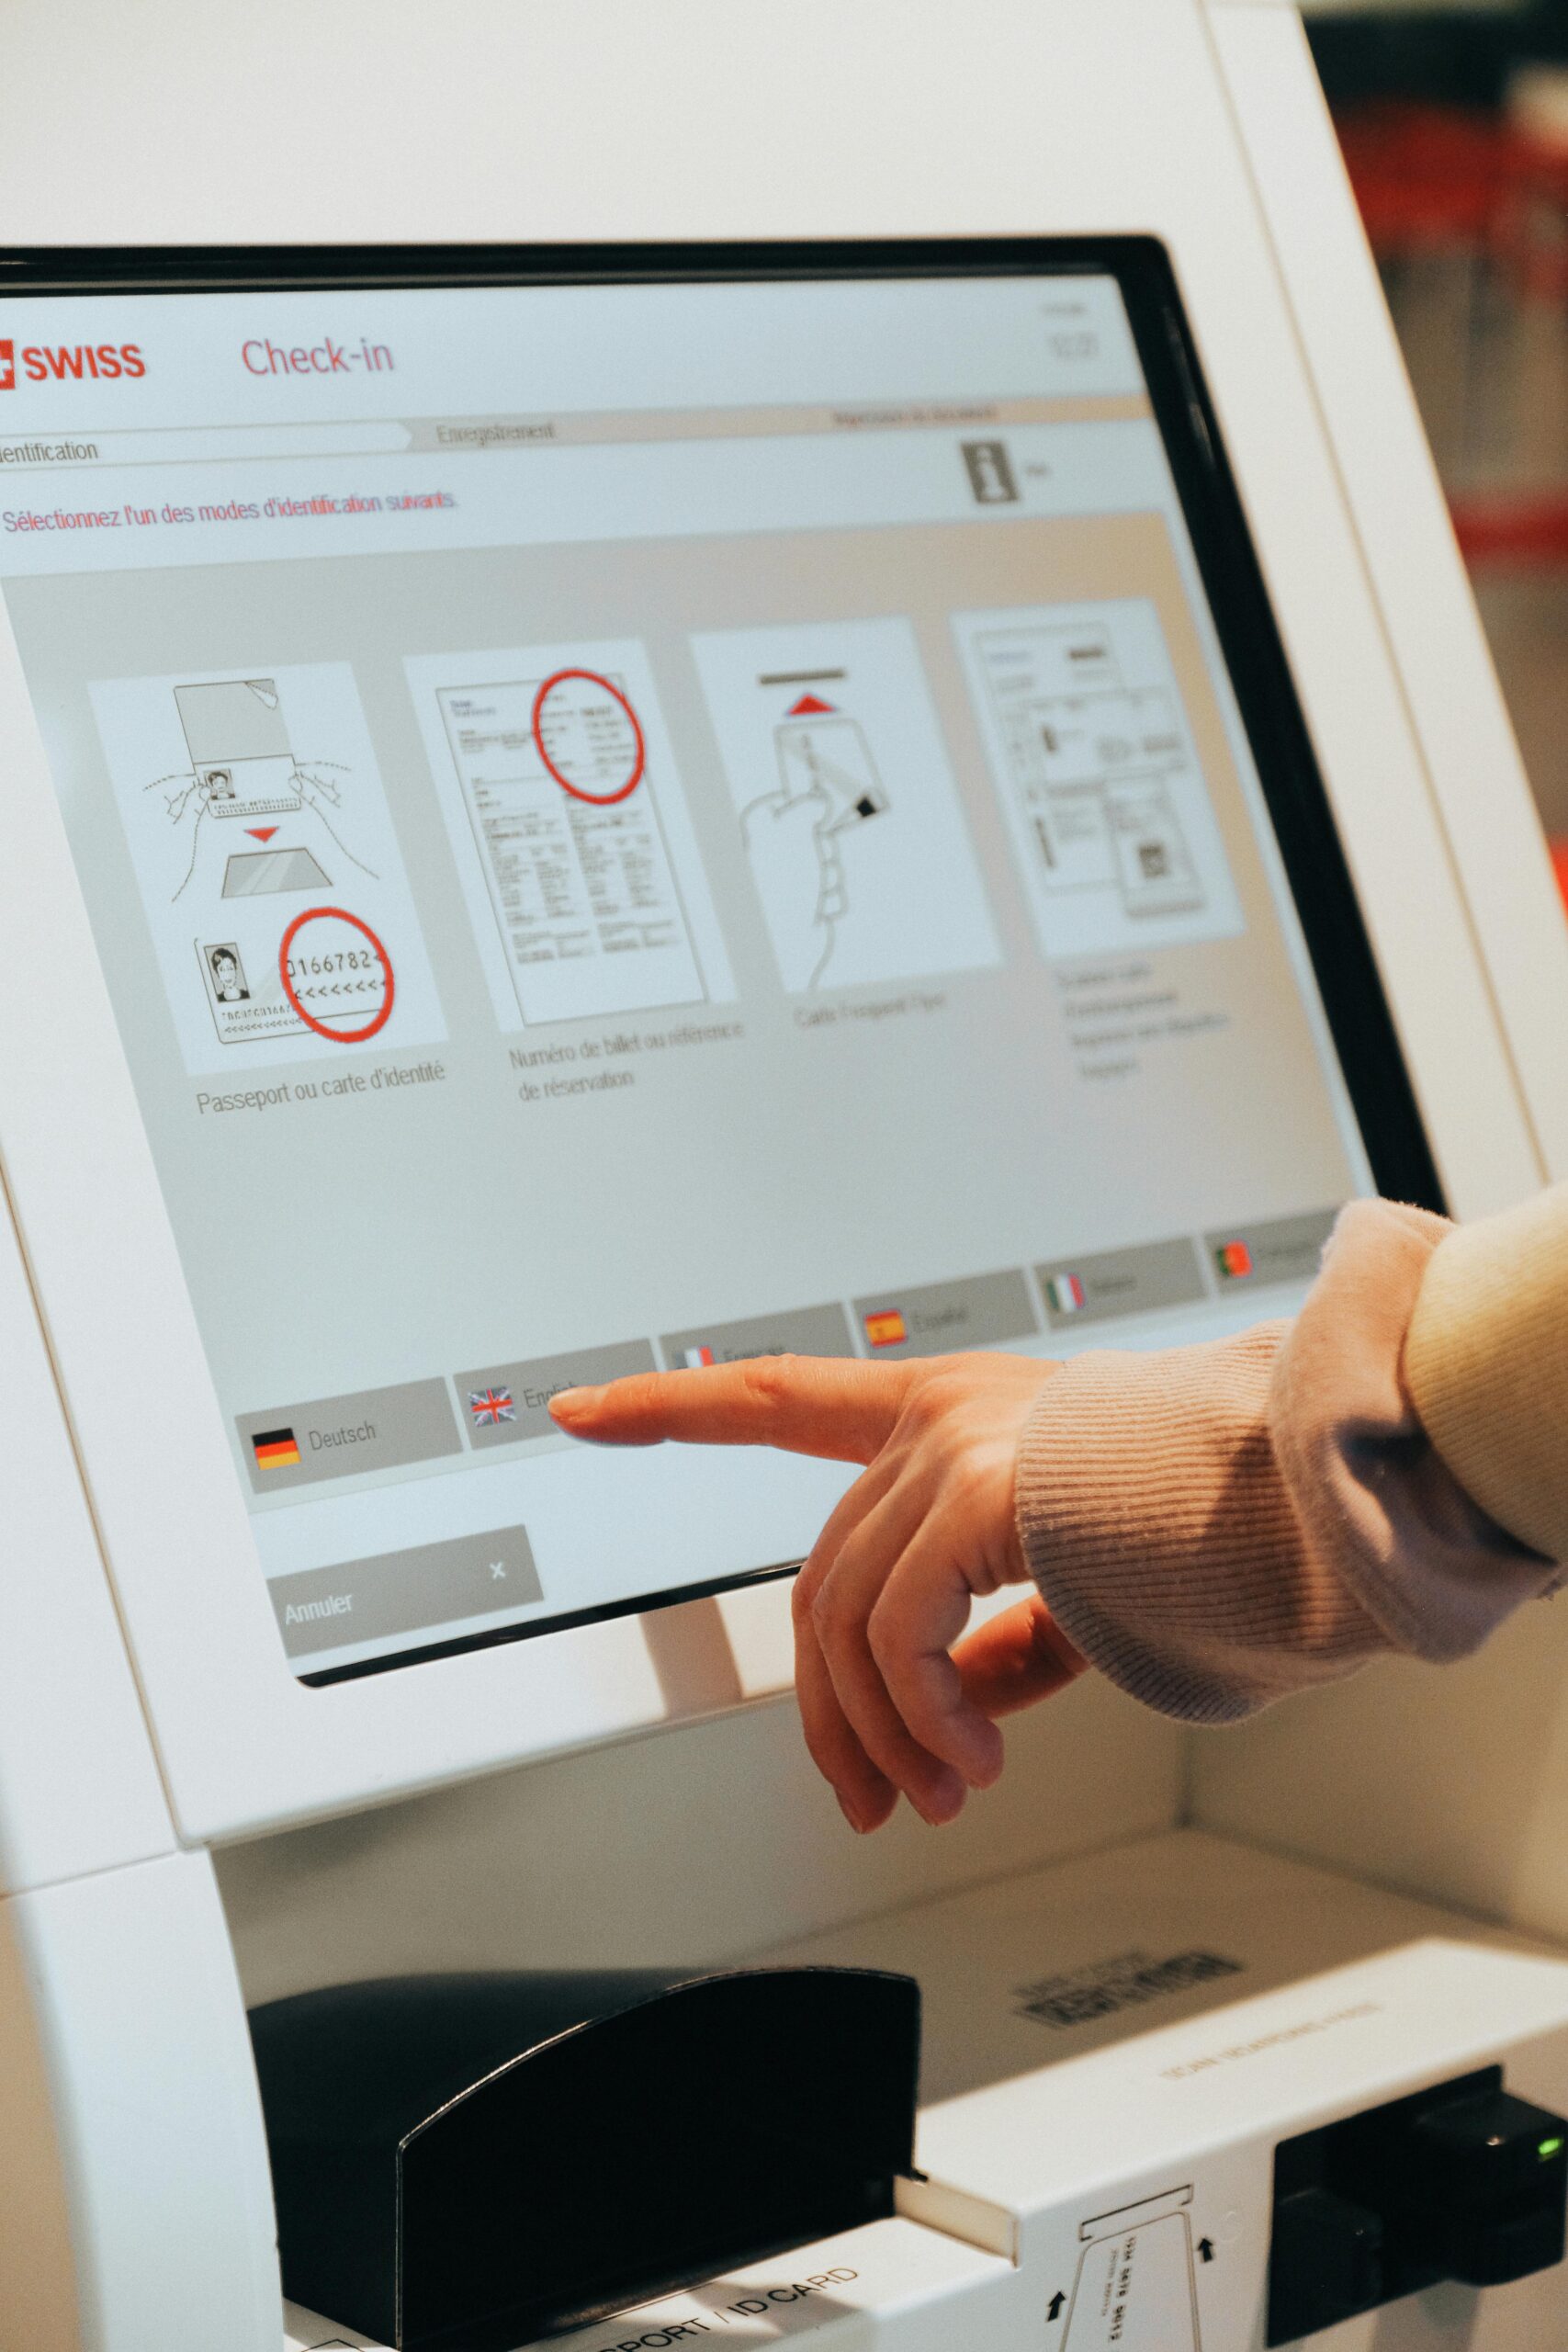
[(1125, 1982), (1134, 2290)]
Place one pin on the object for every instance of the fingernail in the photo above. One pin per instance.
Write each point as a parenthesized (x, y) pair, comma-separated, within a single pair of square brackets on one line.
[(857, 1821), (942, 1803), (572, 1403)]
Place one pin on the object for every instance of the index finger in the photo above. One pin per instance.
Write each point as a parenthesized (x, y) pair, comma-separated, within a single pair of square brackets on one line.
[(831, 1405)]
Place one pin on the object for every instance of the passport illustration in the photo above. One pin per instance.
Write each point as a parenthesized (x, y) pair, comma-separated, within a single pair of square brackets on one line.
[(268, 867)]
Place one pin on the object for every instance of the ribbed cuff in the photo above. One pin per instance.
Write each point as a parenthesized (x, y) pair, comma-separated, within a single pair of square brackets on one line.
[(1216, 1527), (1155, 1521)]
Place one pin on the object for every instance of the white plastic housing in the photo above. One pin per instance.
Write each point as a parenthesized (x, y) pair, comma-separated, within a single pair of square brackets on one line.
[(135, 2203), (1106, 2186), (1054, 2144)]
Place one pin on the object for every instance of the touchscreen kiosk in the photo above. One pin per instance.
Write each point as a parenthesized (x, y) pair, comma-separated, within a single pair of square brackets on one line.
[(787, 831)]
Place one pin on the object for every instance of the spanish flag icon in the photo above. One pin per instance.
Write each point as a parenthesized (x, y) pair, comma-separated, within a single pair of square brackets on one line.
[(886, 1329), (274, 1449)]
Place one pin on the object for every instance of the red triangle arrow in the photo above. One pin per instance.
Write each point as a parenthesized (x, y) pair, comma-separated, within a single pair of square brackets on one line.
[(261, 833), (807, 706)]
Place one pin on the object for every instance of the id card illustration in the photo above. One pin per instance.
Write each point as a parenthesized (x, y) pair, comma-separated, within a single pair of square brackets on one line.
[(847, 803), (268, 864)]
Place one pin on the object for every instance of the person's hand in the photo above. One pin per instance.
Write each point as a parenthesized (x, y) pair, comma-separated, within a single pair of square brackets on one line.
[(886, 1702)]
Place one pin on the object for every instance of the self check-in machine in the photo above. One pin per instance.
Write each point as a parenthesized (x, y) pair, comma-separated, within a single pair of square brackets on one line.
[(920, 778)]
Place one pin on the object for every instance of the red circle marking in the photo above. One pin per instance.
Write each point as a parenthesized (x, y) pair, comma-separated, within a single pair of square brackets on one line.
[(595, 799), (338, 1036)]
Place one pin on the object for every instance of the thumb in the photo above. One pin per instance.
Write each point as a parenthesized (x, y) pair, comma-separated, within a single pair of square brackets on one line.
[(1016, 1660)]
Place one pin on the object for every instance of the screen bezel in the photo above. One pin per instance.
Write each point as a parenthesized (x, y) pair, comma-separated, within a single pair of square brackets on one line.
[(1337, 942)]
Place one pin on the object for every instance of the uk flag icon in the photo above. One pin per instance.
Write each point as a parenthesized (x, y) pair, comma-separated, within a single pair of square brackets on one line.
[(490, 1407)]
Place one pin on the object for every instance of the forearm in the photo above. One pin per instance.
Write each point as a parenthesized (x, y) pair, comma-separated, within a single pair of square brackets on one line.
[(1216, 1527)]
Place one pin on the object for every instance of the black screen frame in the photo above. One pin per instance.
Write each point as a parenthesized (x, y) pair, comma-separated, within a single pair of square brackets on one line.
[(1338, 946)]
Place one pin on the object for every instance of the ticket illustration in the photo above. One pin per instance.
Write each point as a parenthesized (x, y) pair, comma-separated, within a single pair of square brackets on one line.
[(566, 817), (268, 864), (1136, 2287)]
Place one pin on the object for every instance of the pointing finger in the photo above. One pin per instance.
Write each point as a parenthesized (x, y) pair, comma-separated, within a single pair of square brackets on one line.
[(831, 1405)]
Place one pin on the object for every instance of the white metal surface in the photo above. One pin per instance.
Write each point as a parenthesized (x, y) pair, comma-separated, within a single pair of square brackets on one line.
[(79, 1786), (1159, 2113), (1164, 2145), (1452, 1782), (133, 2129), (1402, 522), (978, 1953), (687, 1851), (1135, 2145), (891, 2283)]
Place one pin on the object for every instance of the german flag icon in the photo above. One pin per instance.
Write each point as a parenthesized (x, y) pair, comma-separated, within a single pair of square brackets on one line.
[(274, 1449)]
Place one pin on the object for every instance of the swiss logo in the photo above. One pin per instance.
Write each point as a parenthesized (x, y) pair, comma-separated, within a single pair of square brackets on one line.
[(8, 367)]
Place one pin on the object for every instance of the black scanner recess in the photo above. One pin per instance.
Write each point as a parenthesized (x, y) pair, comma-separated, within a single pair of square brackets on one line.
[(1464, 2181), (461, 2162)]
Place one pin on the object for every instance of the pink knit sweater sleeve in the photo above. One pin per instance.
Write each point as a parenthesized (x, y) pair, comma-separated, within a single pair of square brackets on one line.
[(1218, 1526)]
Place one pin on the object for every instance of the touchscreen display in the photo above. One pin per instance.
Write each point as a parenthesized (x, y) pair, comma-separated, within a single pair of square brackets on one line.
[(639, 825)]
